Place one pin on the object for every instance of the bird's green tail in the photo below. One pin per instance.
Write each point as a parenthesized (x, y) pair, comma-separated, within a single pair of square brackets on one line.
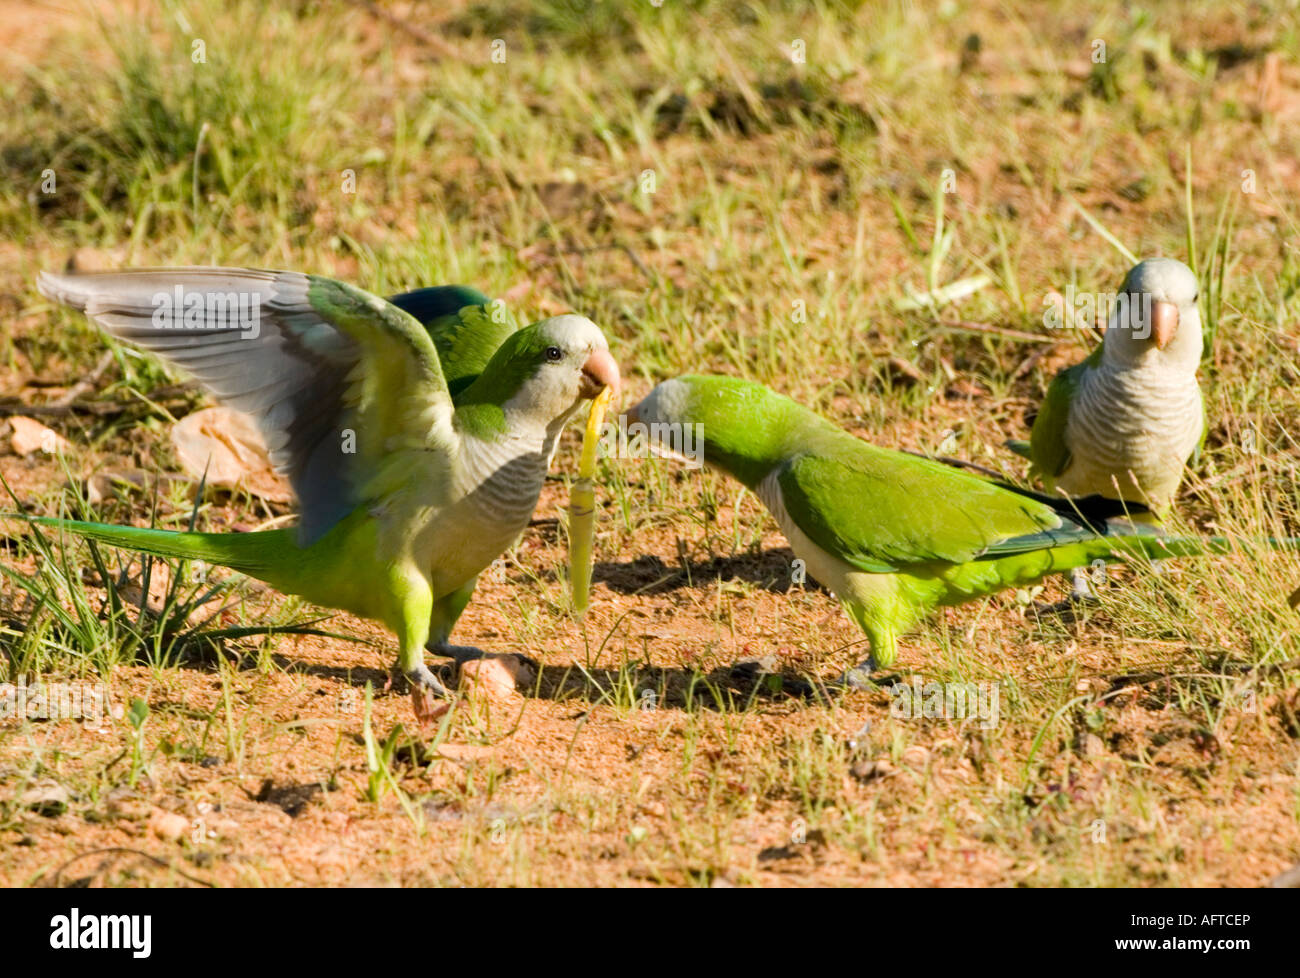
[(267, 555), (1124, 542)]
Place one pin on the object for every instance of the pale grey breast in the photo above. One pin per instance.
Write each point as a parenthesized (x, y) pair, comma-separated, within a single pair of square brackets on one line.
[(502, 478), (1143, 421)]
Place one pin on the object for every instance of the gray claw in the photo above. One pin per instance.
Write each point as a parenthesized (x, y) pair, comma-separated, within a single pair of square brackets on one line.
[(426, 694), (861, 676), (422, 679)]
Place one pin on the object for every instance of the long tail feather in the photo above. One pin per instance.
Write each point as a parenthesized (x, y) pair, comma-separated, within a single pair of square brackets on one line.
[(1122, 541), (260, 555)]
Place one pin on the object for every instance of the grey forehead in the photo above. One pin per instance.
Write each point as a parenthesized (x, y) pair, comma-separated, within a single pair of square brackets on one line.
[(667, 400), (574, 331), (1166, 277)]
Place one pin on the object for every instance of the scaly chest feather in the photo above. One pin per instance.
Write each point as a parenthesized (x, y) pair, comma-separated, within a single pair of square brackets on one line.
[(495, 486), (1137, 429)]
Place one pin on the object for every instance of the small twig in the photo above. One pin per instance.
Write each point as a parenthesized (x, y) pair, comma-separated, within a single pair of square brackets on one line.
[(11, 405), (87, 383), (636, 260), (627, 249), (58, 875), (1011, 334), (60, 410), (1029, 363)]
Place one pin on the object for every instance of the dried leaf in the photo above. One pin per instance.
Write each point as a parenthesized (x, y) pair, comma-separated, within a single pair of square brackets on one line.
[(228, 445), (32, 436)]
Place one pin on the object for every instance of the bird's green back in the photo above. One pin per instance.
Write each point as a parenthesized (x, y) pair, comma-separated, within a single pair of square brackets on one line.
[(466, 327)]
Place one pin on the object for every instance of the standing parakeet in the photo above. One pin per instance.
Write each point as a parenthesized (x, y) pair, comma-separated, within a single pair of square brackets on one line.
[(406, 495), (1124, 422), (893, 535)]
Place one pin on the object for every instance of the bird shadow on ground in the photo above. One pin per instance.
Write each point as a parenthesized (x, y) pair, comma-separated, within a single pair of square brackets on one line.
[(770, 570), (726, 688), (641, 685)]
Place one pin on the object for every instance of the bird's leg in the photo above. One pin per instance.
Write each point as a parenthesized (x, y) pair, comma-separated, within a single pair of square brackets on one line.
[(446, 611), (443, 616), (1081, 596), (1080, 588), (412, 632), (882, 637)]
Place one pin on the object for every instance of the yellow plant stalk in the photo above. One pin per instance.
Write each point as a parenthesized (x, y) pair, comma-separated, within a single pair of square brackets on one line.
[(582, 508)]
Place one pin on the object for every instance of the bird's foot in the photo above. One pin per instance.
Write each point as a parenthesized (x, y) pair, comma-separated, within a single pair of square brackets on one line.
[(519, 670), (866, 675), (521, 667), (461, 653), (862, 676), (429, 697)]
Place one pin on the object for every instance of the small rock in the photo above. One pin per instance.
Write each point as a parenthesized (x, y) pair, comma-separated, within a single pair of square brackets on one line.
[(1094, 746), (47, 798), (168, 825), (463, 752), (496, 675), (128, 805), (442, 811), (872, 770), (105, 485), (762, 665)]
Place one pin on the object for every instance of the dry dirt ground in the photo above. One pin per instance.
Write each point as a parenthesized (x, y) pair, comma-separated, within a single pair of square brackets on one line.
[(666, 739)]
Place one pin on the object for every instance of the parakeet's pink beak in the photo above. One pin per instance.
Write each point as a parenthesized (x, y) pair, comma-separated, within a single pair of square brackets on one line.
[(598, 372), (1164, 322)]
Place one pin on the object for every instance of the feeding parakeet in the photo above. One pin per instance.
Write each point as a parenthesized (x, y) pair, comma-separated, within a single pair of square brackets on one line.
[(1124, 422), (893, 535), (406, 493)]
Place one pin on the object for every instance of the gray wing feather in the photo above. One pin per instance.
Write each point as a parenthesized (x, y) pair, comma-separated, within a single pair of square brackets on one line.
[(288, 368)]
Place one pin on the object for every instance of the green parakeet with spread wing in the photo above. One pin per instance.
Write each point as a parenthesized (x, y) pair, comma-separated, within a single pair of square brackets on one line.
[(406, 492), (1124, 422), (893, 535)]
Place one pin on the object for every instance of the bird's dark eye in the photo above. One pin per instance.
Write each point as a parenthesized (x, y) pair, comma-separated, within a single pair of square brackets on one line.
[(554, 353)]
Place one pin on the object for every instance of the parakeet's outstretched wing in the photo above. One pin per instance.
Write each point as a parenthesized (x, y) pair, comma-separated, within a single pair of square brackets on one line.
[(339, 381), (882, 511), (1047, 448), (466, 327)]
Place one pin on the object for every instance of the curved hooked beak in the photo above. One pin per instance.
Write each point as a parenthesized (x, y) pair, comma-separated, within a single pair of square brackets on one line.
[(1164, 322), (600, 371)]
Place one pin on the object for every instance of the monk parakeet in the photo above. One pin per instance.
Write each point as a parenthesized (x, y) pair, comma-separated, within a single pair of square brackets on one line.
[(893, 535), (1124, 422), (406, 494)]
